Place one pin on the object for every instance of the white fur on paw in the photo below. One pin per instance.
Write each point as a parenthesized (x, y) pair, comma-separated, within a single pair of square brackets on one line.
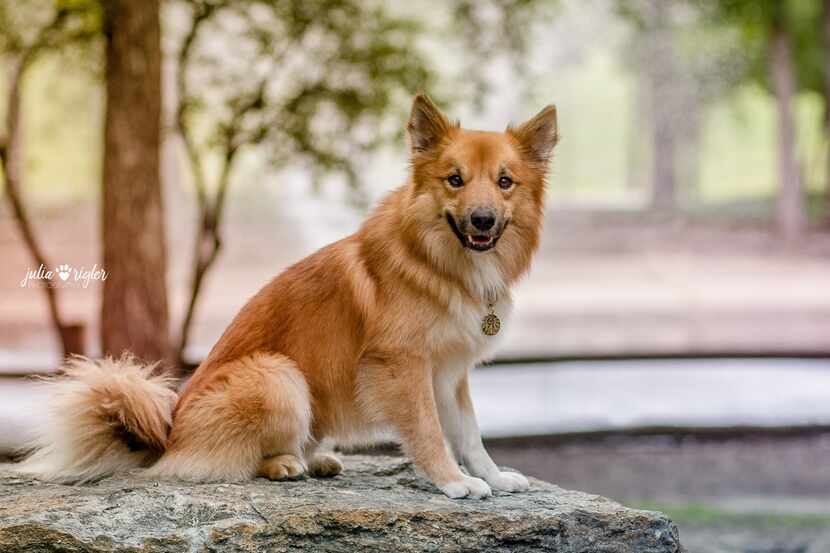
[(325, 465), (473, 488), (509, 482), (282, 467)]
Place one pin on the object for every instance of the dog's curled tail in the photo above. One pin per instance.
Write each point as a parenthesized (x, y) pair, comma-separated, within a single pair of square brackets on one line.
[(104, 416)]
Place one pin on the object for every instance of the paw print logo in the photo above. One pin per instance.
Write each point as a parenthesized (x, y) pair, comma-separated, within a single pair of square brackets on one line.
[(63, 271)]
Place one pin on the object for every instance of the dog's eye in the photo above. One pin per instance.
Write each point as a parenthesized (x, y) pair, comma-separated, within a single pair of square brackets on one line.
[(505, 182), (455, 181)]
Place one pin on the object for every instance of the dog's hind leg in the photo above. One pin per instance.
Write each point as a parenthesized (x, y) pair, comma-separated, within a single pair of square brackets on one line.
[(281, 467), (251, 419)]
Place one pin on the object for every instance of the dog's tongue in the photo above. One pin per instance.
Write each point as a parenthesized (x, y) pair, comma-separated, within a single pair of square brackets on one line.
[(480, 239)]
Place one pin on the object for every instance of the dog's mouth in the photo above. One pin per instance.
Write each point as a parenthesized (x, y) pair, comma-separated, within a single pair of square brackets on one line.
[(477, 242)]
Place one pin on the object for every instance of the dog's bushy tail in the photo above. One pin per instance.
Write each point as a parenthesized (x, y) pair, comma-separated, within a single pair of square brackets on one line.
[(104, 416)]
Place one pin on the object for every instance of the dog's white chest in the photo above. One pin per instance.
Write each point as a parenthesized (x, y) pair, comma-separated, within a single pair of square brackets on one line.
[(461, 332)]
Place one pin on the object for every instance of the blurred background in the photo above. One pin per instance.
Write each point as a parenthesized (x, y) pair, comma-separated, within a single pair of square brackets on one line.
[(163, 159)]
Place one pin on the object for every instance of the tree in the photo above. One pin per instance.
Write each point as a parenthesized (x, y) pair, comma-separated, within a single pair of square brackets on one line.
[(680, 66), (134, 298), (661, 69), (653, 54), (492, 28), (309, 82), (825, 44), (792, 209), (315, 83), (306, 82), (24, 37), (134, 313), (772, 33)]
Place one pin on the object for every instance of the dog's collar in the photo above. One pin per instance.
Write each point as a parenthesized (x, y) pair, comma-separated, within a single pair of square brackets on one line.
[(491, 323)]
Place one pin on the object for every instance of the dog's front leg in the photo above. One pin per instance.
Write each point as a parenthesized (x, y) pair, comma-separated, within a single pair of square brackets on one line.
[(401, 390), (458, 420)]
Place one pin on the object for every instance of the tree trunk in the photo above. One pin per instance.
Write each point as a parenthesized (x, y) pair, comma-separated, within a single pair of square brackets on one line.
[(662, 75), (825, 24), (134, 309), (690, 136), (636, 175), (792, 211)]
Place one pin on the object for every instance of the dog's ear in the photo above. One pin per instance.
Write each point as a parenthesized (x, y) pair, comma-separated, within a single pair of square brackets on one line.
[(427, 126), (538, 135)]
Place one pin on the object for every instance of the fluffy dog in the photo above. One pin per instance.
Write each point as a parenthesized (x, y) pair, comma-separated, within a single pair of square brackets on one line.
[(374, 333)]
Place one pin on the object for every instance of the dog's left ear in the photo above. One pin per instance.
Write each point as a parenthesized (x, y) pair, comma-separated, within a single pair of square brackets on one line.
[(427, 126), (538, 135)]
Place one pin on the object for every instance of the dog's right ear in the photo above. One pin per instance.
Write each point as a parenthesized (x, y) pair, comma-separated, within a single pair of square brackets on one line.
[(427, 126), (539, 135)]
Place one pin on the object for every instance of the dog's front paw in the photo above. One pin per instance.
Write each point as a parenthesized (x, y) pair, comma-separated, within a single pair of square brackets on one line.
[(324, 465), (509, 482), (473, 488)]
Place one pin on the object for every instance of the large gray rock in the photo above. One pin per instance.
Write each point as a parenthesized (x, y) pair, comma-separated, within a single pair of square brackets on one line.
[(377, 504)]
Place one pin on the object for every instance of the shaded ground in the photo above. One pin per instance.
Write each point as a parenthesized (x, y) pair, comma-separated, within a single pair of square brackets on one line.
[(751, 495), (748, 494), (668, 469)]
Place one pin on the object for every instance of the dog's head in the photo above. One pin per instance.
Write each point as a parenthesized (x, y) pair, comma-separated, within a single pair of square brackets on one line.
[(481, 186)]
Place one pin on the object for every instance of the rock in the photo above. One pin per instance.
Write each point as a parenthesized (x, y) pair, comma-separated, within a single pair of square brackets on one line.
[(378, 504)]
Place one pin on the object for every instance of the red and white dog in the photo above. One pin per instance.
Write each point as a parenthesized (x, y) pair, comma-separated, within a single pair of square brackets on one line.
[(373, 333)]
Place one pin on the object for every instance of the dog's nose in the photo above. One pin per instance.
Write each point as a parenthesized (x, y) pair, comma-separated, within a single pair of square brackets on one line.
[(483, 218)]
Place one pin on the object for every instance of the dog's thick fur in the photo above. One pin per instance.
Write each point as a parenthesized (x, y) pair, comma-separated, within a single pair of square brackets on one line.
[(373, 333)]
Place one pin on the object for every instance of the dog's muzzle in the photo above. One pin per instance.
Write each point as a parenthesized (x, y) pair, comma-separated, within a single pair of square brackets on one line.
[(480, 232)]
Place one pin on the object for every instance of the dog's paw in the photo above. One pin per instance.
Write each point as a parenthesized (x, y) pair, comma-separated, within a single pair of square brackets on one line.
[(470, 487), (509, 482), (324, 465), (282, 467)]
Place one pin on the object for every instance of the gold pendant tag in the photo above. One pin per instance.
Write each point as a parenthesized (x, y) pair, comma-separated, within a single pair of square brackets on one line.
[(491, 324)]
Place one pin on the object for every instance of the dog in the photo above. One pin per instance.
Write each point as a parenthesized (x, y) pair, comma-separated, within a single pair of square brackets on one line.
[(374, 333)]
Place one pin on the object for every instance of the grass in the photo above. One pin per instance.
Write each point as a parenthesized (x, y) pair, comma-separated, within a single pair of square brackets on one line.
[(702, 514)]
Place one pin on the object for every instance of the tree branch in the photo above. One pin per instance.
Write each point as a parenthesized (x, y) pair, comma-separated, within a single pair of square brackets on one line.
[(10, 155), (208, 235)]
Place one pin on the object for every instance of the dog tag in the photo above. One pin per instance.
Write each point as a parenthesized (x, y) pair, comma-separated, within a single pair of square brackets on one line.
[(491, 324)]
